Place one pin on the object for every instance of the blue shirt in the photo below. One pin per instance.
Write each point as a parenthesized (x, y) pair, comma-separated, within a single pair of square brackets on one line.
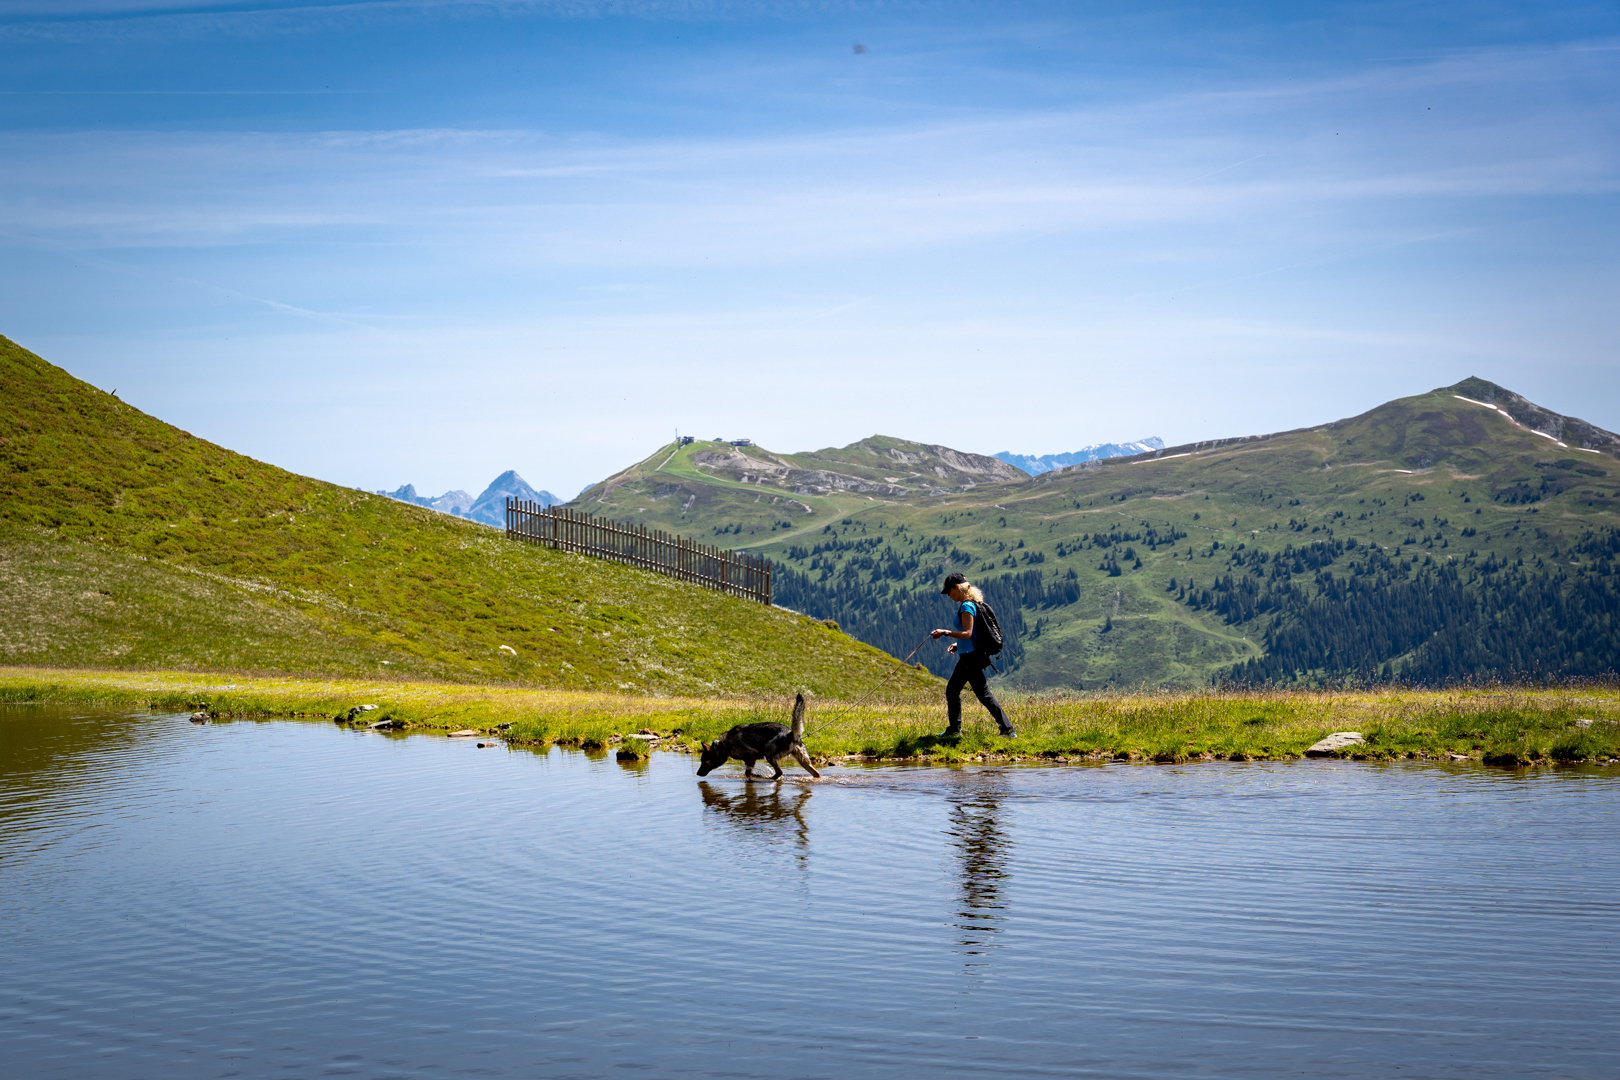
[(967, 607)]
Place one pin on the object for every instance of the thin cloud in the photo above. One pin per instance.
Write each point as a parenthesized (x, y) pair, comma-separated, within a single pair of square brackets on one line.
[(172, 20), (602, 201)]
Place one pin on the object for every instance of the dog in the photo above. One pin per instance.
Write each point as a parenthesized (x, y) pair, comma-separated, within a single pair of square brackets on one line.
[(750, 742)]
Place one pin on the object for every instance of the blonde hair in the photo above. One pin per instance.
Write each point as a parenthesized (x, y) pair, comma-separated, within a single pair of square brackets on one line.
[(974, 593)]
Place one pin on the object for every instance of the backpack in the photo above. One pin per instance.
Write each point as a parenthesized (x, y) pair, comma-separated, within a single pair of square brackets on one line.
[(986, 631)]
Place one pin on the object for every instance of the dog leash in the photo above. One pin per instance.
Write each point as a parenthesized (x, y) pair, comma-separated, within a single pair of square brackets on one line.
[(847, 708)]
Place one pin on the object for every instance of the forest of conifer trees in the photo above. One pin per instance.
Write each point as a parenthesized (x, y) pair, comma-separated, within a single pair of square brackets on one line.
[(1327, 610), (1379, 618)]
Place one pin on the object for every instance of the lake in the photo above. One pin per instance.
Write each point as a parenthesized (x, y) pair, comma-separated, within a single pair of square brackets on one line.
[(295, 899)]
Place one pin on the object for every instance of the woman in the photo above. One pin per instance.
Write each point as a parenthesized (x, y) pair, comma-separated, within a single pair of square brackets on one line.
[(970, 662)]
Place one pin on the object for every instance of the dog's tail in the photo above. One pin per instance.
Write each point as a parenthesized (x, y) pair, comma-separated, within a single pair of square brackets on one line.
[(798, 719)]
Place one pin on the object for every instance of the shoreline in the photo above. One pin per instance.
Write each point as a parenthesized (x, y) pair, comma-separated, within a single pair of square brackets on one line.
[(1505, 726)]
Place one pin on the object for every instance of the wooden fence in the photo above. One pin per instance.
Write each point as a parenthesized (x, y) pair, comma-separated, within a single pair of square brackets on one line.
[(664, 553)]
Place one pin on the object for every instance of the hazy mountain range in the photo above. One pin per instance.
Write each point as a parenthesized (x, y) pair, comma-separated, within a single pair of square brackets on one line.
[(1047, 462), (489, 508)]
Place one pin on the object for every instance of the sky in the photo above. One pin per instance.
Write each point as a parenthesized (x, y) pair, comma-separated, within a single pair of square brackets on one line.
[(425, 241)]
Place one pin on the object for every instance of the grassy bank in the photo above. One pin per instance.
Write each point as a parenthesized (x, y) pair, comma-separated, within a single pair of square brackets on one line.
[(1506, 726)]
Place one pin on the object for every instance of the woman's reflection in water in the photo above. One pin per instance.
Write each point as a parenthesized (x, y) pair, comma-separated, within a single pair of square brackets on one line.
[(773, 813), (984, 851)]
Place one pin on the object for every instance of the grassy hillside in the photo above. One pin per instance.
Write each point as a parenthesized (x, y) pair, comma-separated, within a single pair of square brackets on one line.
[(127, 542), (1429, 537)]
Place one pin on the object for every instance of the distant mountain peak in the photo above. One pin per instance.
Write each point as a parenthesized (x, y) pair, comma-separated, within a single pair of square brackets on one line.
[(489, 508), (451, 502), (1047, 462)]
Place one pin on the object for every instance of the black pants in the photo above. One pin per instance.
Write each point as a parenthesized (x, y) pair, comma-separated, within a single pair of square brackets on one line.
[(970, 671)]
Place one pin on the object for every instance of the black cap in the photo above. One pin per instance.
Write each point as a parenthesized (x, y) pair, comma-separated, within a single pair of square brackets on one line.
[(951, 582)]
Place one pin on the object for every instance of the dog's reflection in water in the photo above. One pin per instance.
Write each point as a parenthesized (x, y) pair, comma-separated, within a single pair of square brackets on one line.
[(774, 812)]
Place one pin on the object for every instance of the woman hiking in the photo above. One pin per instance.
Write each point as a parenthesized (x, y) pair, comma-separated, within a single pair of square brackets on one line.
[(970, 662)]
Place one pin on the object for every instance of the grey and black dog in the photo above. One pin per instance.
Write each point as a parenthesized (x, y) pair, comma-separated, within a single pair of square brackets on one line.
[(750, 742)]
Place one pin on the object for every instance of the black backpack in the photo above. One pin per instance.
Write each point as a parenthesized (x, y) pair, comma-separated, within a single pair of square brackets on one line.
[(987, 637)]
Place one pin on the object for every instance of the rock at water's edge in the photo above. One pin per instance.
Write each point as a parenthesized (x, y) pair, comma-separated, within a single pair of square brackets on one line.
[(1333, 743)]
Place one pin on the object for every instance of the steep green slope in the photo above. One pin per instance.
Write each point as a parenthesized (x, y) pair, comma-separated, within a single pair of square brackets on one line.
[(746, 494), (125, 541), (1178, 565)]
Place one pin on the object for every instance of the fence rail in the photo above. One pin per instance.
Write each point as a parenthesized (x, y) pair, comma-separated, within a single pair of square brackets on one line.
[(635, 545)]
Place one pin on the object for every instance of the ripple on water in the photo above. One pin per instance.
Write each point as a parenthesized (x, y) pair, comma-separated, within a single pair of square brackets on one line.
[(248, 898)]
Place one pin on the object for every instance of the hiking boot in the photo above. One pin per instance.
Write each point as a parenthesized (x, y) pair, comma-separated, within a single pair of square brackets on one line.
[(954, 731), (1008, 733)]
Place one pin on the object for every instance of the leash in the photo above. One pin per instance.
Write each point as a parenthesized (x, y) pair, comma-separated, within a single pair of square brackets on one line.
[(848, 708)]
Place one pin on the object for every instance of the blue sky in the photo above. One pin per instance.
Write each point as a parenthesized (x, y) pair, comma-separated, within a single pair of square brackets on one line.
[(429, 241)]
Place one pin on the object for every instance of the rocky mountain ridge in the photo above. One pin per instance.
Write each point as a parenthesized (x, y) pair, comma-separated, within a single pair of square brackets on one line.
[(893, 468), (732, 486)]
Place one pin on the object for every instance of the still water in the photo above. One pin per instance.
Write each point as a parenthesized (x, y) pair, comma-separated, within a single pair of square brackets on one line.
[(291, 899)]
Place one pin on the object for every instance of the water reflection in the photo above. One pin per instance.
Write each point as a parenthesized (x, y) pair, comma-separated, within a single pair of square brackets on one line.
[(56, 759), (984, 852), (770, 812)]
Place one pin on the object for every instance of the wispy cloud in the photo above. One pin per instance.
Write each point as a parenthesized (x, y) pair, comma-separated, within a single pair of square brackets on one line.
[(1144, 248), (101, 20), (1183, 160)]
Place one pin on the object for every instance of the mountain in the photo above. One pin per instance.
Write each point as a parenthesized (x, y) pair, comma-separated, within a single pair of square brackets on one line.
[(490, 507), (1455, 533), (735, 488), (127, 542), (1047, 462), (454, 502), (451, 502)]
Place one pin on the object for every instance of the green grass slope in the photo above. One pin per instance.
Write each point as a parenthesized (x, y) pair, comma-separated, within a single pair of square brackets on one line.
[(1171, 567), (127, 542)]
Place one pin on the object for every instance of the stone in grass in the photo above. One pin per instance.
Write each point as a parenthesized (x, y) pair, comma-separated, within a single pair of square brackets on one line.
[(348, 717), (1335, 742), (465, 733)]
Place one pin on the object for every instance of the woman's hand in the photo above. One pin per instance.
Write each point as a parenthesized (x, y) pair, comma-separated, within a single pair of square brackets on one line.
[(951, 647), (937, 634)]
